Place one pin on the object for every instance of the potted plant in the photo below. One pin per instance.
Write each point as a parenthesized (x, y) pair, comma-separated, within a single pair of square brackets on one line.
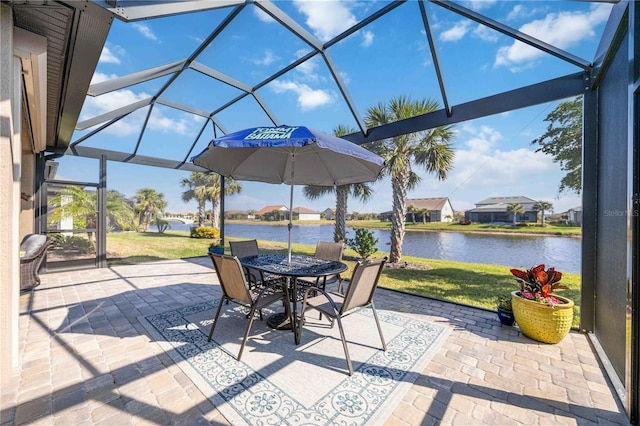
[(541, 314), (505, 311), (216, 248)]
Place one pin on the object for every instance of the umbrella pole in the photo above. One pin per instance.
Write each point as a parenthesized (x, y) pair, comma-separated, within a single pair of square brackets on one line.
[(293, 160)]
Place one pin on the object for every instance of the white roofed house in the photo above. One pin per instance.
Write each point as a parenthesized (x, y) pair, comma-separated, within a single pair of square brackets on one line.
[(426, 210), (302, 213), (494, 209)]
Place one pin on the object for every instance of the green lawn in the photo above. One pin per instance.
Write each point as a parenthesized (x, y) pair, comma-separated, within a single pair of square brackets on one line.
[(468, 283)]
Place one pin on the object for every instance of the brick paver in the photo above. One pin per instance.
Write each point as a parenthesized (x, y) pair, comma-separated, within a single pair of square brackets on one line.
[(85, 359)]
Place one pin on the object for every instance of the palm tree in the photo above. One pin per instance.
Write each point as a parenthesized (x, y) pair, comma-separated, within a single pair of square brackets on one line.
[(515, 209), (148, 204), (213, 186), (81, 205), (361, 191), (196, 190), (120, 211), (413, 210), (430, 149), (425, 213), (543, 206), (277, 214)]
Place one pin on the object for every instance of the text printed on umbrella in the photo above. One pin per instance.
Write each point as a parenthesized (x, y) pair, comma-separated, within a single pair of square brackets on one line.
[(271, 133)]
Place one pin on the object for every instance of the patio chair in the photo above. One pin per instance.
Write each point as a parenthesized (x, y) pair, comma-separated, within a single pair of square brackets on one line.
[(327, 251), (250, 248), (34, 247), (359, 294), (235, 288)]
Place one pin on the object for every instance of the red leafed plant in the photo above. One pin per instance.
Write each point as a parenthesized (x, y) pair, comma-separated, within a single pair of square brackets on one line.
[(538, 284)]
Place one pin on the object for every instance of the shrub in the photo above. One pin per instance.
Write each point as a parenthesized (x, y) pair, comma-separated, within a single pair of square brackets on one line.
[(504, 302), (364, 243), (162, 225), (205, 232), (73, 242)]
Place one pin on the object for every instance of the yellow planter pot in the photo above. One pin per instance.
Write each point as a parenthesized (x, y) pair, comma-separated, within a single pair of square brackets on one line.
[(544, 323)]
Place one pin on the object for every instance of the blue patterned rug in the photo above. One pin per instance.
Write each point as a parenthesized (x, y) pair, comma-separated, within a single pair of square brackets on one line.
[(278, 382)]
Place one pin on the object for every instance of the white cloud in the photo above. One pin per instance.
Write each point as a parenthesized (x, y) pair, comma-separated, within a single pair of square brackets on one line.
[(485, 33), (145, 30), (482, 139), (262, 15), (99, 77), (308, 98), (480, 4), (481, 168), (345, 77), (132, 124), (563, 30), (520, 12), (107, 56), (268, 58), (307, 69), (515, 13), (456, 32), (326, 19), (367, 38)]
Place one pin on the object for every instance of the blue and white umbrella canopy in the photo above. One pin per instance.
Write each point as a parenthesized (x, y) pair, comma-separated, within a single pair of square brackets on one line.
[(292, 155)]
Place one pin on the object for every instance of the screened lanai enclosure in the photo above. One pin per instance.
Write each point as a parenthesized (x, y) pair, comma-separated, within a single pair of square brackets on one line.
[(248, 56)]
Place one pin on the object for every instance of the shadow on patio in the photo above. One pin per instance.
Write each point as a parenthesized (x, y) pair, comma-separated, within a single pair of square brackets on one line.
[(85, 357)]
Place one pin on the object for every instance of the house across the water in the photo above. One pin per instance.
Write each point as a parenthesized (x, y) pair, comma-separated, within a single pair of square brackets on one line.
[(494, 209)]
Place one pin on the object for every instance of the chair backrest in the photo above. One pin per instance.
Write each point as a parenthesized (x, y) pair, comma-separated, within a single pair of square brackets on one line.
[(232, 279), (33, 245), (329, 250), (364, 281), (244, 248)]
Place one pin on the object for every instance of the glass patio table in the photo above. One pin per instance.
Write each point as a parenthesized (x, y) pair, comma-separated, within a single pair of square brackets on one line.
[(300, 266)]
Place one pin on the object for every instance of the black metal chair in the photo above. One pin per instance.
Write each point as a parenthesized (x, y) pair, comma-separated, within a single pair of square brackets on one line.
[(359, 294), (327, 251), (236, 289), (250, 248)]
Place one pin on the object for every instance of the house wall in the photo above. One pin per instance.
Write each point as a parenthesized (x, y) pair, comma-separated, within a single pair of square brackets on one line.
[(309, 216), (10, 162), (446, 213)]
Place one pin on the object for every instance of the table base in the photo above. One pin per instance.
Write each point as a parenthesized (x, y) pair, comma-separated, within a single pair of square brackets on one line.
[(279, 321)]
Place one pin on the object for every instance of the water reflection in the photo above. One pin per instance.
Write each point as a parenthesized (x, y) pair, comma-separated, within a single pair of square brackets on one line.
[(510, 250)]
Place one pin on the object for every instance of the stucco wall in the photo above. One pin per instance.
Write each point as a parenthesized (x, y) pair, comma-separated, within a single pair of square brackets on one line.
[(10, 157)]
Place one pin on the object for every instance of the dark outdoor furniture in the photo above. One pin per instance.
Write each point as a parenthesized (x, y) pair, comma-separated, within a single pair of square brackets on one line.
[(328, 251), (33, 249), (359, 294), (300, 266), (246, 248), (236, 289)]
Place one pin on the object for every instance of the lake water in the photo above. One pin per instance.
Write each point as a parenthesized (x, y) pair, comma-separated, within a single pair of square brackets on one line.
[(510, 250)]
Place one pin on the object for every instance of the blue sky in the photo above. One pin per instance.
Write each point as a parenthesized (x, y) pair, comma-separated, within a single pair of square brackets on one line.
[(493, 155)]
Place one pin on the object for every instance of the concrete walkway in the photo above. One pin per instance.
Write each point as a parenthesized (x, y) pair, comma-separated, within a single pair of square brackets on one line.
[(85, 359)]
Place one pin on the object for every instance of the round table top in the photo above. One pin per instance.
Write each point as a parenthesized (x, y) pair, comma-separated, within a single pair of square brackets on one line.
[(300, 266)]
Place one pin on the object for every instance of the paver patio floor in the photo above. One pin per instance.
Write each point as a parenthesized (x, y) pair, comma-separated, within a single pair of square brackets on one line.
[(86, 359)]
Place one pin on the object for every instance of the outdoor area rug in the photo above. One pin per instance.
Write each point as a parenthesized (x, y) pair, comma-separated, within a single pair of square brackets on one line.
[(277, 382)]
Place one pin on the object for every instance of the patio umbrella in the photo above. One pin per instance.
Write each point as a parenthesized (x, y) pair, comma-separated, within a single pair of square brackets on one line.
[(292, 155)]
